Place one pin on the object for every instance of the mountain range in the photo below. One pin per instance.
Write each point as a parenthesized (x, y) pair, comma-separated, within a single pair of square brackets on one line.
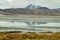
[(31, 10)]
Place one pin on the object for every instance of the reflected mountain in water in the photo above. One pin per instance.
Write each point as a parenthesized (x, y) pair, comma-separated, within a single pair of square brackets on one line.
[(35, 23), (27, 24)]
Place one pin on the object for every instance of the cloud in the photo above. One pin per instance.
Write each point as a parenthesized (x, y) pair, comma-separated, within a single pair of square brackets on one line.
[(23, 3), (10, 0)]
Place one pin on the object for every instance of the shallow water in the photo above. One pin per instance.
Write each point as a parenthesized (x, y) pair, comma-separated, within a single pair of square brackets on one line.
[(25, 25)]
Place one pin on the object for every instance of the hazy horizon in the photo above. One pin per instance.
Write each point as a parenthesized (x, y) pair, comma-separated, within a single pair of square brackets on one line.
[(22, 3)]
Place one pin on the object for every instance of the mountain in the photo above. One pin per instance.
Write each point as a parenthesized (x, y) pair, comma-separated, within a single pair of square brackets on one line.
[(13, 11), (31, 6), (31, 10)]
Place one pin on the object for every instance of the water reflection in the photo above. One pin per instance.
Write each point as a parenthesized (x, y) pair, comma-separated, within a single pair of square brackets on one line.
[(30, 25), (18, 24)]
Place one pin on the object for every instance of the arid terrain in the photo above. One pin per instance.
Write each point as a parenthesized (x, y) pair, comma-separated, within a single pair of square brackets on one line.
[(30, 36)]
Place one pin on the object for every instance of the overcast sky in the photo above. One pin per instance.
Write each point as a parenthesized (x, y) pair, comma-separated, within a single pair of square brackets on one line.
[(23, 3)]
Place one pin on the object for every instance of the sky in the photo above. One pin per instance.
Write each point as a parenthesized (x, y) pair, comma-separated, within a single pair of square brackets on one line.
[(22, 3)]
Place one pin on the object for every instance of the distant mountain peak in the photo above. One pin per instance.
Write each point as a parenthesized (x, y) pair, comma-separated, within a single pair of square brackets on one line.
[(31, 6)]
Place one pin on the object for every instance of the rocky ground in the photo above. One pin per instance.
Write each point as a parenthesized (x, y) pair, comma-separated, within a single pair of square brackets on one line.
[(30, 36)]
